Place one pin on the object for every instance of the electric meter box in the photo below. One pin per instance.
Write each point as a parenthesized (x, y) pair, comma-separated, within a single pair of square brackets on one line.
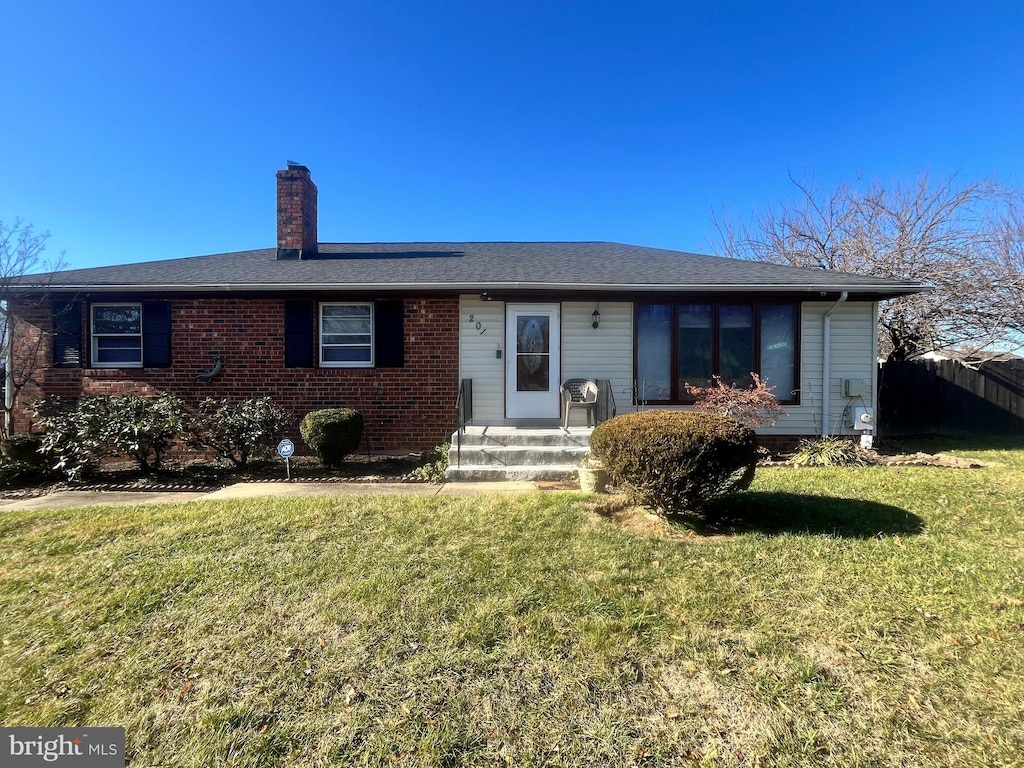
[(862, 419), (856, 387)]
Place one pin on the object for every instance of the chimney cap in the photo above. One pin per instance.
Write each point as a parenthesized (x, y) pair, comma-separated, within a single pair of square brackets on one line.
[(293, 166)]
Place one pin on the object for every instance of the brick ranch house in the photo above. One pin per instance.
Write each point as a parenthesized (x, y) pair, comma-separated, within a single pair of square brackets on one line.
[(391, 329)]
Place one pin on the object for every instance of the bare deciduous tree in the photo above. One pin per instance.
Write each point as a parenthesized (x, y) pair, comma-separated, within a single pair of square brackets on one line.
[(964, 239), (1010, 283), (23, 267)]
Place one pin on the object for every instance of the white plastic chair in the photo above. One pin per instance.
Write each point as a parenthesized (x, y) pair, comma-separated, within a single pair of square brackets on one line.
[(579, 393)]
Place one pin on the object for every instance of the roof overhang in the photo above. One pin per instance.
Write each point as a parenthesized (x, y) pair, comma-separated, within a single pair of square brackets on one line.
[(873, 289)]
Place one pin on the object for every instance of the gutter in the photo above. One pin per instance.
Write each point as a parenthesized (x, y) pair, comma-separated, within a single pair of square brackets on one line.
[(826, 366), (898, 288)]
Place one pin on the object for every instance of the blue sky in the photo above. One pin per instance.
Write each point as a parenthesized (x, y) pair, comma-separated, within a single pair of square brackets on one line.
[(139, 131)]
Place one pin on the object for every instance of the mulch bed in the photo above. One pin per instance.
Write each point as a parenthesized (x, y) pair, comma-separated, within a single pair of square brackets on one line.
[(209, 476), (930, 460)]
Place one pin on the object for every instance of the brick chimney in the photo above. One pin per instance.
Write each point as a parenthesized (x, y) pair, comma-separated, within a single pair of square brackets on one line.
[(296, 213)]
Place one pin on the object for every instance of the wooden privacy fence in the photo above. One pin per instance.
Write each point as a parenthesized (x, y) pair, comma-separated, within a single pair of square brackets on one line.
[(945, 397)]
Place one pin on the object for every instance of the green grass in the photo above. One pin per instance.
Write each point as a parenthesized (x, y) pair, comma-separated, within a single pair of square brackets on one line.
[(841, 617)]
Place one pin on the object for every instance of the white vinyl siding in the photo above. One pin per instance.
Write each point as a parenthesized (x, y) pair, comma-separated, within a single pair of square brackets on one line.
[(605, 352), (481, 335), (853, 357), (602, 353), (854, 336)]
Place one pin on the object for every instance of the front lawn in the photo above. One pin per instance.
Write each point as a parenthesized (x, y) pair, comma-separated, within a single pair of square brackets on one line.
[(868, 617)]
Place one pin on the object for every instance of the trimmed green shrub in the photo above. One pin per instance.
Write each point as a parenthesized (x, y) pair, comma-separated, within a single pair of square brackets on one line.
[(78, 436), (143, 428), (332, 434), (23, 449), (70, 435), (676, 462), (237, 432)]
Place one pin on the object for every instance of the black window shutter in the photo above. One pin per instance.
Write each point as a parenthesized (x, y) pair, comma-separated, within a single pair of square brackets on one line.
[(388, 334), (298, 334), (67, 334), (156, 334)]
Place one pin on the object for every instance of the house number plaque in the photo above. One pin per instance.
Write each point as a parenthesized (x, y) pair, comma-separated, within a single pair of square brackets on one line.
[(477, 325)]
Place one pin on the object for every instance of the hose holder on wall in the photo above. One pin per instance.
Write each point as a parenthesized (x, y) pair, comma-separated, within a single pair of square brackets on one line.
[(218, 365)]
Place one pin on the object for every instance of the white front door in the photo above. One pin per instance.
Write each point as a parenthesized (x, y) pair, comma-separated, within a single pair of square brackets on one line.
[(533, 361)]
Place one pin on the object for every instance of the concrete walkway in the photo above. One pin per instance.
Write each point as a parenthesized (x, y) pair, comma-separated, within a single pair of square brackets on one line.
[(249, 490), (64, 499)]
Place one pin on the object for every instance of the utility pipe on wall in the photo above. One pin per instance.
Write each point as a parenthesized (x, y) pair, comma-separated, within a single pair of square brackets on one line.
[(826, 361)]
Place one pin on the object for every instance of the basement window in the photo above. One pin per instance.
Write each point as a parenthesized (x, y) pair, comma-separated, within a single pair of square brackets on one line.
[(346, 335), (116, 335)]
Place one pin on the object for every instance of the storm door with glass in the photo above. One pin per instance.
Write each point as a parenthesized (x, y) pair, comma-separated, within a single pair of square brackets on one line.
[(532, 361)]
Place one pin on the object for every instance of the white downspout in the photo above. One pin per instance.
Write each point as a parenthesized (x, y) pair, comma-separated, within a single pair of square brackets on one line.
[(826, 360)]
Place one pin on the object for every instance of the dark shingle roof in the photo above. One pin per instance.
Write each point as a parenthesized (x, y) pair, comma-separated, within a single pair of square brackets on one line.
[(581, 266)]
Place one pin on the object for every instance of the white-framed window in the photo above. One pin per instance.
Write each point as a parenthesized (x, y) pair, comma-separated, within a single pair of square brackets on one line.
[(346, 335), (116, 332)]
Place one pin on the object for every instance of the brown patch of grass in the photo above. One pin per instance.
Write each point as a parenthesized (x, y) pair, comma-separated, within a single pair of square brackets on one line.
[(636, 519)]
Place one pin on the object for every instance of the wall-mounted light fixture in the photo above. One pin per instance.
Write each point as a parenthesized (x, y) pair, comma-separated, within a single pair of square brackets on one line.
[(596, 316), (486, 296)]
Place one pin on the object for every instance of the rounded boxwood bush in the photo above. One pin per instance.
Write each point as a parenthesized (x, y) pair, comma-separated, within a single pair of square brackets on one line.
[(675, 461), (332, 434)]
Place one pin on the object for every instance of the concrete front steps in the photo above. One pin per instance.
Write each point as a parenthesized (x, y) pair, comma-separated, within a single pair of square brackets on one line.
[(516, 453)]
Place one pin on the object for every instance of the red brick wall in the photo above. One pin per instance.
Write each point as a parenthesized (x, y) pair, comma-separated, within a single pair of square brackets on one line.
[(408, 408), (780, 444), (296, 210)]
